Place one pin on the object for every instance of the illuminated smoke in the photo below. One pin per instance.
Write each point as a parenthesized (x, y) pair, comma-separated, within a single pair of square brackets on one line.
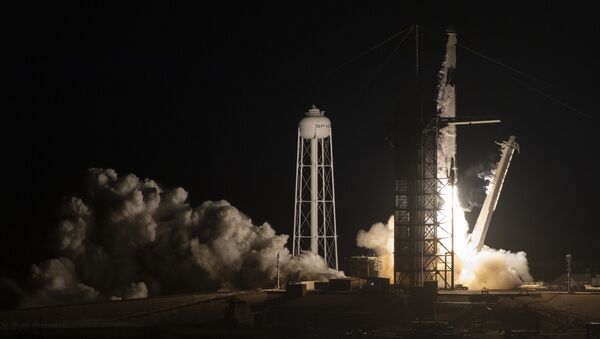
[(487, 176), (380, 238), (56, 279), (493, 268), (130, 238), (490, 268)]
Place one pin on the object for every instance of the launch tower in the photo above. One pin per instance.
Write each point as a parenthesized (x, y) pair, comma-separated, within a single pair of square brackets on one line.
[(425, 147)]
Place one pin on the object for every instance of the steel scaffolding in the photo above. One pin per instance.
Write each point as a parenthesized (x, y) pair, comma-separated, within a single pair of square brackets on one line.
[(423, 240), (434, 214)]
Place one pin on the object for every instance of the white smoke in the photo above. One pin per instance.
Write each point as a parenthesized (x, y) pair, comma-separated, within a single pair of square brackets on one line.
[(130, 238), (380, 238), (56, 279), (133, 291), (491, 268), (487, 177)]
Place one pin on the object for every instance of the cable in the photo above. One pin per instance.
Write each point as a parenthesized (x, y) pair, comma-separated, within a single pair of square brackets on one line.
[(364, 86), (533, 88), (556, 100), (351, 60), (503, 64)]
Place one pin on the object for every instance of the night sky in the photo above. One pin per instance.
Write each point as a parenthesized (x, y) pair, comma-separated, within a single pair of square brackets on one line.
[(208, 98)]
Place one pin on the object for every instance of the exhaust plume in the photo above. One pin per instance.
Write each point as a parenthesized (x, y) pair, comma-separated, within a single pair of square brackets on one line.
[(131, 238), (490, 268)]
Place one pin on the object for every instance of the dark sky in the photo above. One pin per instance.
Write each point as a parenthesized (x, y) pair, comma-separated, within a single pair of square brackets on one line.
[(208, 98)]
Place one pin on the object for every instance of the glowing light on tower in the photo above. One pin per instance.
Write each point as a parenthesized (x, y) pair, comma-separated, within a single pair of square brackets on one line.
[(314, 212)]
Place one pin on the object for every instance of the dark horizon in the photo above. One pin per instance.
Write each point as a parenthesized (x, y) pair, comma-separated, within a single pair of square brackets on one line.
[(209, 99)]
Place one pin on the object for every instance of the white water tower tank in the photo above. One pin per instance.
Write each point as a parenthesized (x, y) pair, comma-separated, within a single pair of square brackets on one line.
[(315, 125)]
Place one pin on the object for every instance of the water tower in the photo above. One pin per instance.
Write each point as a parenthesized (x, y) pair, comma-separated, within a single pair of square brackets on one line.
[(314, 212)]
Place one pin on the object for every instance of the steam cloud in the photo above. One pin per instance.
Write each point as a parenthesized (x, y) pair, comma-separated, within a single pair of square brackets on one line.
[(380, 238), (130, 238), (490, 268)]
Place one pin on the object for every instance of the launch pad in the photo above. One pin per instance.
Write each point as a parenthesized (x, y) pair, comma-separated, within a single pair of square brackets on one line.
[(273, 314)]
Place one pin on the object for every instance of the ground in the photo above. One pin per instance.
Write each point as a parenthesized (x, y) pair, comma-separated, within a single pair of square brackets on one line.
[(318, 314)]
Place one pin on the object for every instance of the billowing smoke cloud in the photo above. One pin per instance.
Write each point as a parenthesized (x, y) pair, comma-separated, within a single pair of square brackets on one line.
[(56, 279), (493, 268), (380, 238), (130, 238), (490, 268)]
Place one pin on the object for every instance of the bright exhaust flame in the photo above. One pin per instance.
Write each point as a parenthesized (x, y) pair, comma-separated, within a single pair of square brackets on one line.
[(490, 268)]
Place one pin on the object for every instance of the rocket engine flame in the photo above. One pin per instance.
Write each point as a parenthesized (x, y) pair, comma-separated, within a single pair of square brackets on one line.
[(490, 268)]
